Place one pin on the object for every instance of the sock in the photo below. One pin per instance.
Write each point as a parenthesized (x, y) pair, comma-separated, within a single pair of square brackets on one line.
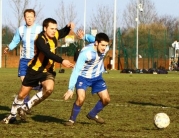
[(98, 107), (27, 98), (75, 111), (16, 103), (38, 88), (35, 99)]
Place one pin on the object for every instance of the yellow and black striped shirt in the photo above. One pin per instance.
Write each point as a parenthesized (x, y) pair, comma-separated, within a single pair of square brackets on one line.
[(45, 57)]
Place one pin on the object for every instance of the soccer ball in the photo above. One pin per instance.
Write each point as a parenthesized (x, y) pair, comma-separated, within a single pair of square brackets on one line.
[(161, 120)]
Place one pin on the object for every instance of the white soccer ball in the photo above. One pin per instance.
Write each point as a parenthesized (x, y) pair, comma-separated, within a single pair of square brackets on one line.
[(161, 120)]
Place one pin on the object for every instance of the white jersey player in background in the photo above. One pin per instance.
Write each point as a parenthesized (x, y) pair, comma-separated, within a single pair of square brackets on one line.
[(25, 34)]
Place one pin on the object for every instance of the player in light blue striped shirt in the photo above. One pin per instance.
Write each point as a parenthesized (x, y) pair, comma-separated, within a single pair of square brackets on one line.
[(26, 34), (88, 73)]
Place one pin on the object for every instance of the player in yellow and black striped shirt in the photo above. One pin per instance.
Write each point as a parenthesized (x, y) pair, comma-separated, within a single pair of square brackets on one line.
[(40, 69)]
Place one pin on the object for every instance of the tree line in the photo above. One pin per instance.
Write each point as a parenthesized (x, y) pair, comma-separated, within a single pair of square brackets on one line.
[(101, 19)]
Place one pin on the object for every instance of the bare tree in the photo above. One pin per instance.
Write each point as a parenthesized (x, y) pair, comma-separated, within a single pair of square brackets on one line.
[(171, 23), (147, 16), (18, 7), (66, 14), (102, 19)]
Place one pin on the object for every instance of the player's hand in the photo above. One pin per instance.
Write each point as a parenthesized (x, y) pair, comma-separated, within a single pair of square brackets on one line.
[(68, 94), (67, 63), (71, 25), (80, 34), (6, 50)]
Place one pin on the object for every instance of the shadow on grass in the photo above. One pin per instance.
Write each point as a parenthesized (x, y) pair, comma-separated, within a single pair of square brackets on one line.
[(152, 104), (6, 108), (2, 116), (147, 104), (45, 119)]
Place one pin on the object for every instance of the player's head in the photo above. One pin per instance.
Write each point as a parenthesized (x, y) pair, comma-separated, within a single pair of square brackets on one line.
[(101, 42), (49, 27), (29, 16)]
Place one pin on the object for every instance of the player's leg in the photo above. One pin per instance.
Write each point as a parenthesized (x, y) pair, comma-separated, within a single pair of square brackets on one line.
[(81, 94), (48, 85), (104, 100), (99, 87), (23, 65), (18, 101), (76, 106)]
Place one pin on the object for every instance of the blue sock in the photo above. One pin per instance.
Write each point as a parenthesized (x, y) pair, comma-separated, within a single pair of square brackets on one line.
[(27, 98), (98, 107), (75, 111)]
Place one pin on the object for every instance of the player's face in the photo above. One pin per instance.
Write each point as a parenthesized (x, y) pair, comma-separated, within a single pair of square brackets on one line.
[(50, 30), (102, 46), (29, 18)]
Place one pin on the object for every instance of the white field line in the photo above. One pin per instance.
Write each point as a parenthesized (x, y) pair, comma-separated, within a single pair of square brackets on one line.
[(121, 105)]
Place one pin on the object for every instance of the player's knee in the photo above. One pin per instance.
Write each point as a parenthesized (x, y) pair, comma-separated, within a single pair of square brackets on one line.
[(48, 91), (80, 102), (106, 101)]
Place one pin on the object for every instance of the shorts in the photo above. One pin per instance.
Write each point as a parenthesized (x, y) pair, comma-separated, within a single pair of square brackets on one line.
[(23, 65), (97, 84), (32, 77)]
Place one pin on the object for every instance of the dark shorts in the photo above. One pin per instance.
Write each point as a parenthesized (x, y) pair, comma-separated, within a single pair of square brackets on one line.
[(23, 65), (33, 78), (97, 84)]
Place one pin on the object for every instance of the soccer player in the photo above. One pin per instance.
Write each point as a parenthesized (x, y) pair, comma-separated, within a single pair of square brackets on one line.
[(88, 73), (40, 69), (27, 34)]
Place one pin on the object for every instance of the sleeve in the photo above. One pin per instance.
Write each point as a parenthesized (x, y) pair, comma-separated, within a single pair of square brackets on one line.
[(63, 32), (15, 41), (42, 46), (89, 38), (77, 69)]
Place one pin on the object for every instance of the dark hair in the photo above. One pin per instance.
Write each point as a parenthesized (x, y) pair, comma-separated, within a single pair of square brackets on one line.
[(101, 37), (29, 10), (47, 21)]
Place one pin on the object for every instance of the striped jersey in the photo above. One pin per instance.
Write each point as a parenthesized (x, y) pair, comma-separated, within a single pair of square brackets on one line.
[(45, 57), (27, 35), (89, 65)]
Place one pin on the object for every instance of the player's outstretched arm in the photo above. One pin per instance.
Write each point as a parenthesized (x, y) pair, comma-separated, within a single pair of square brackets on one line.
[(67, 63), (66, 30), (68, 94)]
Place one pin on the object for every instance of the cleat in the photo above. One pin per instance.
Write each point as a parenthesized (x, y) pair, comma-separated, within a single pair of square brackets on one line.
[(69, 123), (28, 112), (22, 113), (8, 120), (96, 118)]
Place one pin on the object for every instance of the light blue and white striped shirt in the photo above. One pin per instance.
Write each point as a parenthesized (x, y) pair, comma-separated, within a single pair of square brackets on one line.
[(89, 64), (27, 35)]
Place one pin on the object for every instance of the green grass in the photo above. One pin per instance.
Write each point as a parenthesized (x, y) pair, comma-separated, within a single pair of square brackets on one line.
[(135, 99)]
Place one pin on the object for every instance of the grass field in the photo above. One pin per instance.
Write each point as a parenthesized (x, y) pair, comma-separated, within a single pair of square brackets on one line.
[(135, 99)]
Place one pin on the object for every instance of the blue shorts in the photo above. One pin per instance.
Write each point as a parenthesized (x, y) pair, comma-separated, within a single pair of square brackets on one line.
[(23, 65), (97, 84)]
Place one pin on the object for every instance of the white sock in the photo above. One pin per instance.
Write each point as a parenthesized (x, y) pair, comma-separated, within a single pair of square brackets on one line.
[(34, 99), (16, 103)]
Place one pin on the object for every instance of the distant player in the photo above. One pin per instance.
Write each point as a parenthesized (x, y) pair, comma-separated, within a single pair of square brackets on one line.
[(88, 73), (27, 34)]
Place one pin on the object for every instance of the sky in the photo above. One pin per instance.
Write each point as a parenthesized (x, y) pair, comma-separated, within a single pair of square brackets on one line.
[(163, 7)]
